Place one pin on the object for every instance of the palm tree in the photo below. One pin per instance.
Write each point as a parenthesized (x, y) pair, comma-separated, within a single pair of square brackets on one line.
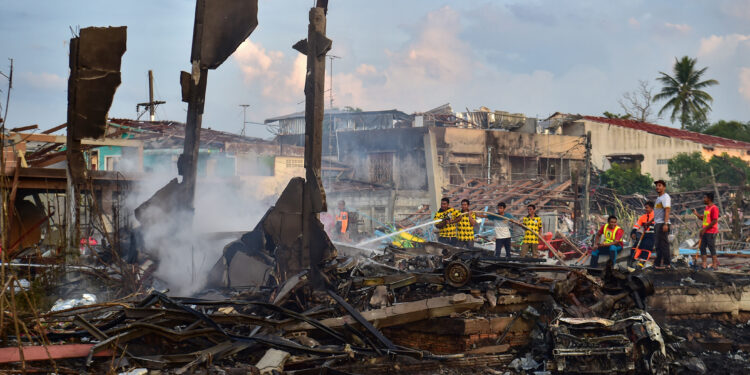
[(684, 92)]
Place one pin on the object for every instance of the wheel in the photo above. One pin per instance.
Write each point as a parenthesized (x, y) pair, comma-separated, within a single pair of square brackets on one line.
[(457, 274)]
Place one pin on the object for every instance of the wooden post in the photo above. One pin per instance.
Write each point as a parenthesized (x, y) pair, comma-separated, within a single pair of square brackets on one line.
[(187, 165), (152, 106), (314, 202), (717, 197), (586, 187), (74, 156)]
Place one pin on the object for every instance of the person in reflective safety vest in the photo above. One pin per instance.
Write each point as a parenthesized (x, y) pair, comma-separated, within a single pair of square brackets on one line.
[(342, 222), (609, 239)]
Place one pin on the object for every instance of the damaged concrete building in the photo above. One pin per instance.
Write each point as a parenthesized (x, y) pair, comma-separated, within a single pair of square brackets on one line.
[(643, 145), (389, 172)]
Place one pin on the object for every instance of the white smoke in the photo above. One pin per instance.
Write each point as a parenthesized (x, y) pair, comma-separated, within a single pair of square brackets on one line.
[(187, 254)]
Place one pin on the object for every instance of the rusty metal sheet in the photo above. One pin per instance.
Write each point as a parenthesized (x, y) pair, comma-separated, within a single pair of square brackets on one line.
[(226, 24)]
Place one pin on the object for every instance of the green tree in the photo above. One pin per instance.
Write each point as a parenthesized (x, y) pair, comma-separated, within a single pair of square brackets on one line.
[(726, 169), (684, 92), (698, 125), (627, 181), (736, 130), (608, 114), (688, 171)]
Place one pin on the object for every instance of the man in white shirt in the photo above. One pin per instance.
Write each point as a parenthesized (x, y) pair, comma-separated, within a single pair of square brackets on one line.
[(662, 208), (503, 229)]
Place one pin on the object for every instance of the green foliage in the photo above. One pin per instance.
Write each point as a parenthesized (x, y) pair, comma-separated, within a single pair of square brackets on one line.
[(698, 125), (608, 114), (627, 181), (691, 172), (688, 171), (729, 170), (684, 92), (736, 130), (352, 109)]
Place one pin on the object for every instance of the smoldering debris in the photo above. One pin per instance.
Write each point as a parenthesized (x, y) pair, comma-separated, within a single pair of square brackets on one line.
[(430, 308)]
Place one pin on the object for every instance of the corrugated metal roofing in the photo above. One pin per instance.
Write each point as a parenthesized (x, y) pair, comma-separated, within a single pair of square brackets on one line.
[(708, 140)]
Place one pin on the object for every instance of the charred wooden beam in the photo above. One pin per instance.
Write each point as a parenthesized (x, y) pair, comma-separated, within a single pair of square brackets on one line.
[(315, 47)]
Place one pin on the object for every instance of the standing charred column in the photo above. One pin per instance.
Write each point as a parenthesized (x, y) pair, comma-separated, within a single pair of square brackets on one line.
[(315, 47), (94, 61), (195, 85), (220, 26)]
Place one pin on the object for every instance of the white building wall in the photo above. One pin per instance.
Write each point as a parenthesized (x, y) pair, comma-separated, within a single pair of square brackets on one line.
[(607, 139)]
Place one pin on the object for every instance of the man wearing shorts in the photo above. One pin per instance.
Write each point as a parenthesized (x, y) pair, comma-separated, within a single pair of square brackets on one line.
[(709, 230)]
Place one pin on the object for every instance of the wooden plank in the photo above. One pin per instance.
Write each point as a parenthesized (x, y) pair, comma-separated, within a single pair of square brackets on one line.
[(24, 128), (56, 128), (61, 139), (40, 353), (518, 202), (542, 200), (403, 313)]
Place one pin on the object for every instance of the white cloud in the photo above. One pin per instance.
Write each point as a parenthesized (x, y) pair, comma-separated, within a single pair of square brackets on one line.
[(744, 82), (719, 47), (280, 81), (254, 61), (45, 81), (680, 28), (366, 69)]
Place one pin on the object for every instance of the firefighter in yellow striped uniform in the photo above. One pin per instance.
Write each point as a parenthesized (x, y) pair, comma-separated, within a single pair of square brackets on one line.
[(447, 226), (530, 240), (465, 226)]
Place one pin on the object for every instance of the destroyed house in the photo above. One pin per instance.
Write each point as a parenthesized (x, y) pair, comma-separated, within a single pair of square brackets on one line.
[(399, 164), (221, 154), (396, 157), (645, 145), (291, 128)]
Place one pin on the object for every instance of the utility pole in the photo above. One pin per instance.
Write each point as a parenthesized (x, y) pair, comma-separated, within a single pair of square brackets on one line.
[(151, 104), (330, 92), (7, 95), (6, 204), (244, 118), (587, 185)]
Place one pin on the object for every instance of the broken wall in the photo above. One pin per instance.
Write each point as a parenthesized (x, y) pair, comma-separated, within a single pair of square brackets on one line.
[(476, 153), (392, 157)]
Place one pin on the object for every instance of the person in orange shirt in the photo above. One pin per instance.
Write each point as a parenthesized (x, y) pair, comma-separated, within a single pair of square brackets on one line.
[(644, 227), (342, 222)]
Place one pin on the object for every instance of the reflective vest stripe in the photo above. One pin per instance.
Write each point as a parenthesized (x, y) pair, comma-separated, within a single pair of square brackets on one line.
[(343, 217), (609, 235)]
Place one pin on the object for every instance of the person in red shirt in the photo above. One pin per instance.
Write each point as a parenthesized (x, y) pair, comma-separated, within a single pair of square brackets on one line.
[(610, 235), (709, 230)]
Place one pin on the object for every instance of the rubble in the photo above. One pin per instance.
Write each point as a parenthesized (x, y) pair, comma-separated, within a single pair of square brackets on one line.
[(283, 298)]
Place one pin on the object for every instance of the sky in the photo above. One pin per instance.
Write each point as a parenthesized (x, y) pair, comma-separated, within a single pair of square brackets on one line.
[(534, 57)]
